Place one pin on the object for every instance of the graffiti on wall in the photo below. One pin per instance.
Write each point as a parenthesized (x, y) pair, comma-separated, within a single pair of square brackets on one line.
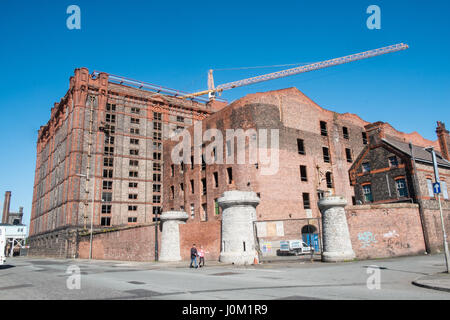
[(366, 238)]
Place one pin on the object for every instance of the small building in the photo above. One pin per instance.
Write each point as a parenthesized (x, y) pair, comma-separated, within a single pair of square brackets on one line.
[(389, 170)]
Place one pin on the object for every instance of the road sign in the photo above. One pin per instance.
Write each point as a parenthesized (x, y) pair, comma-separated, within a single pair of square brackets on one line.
[(437, 187)]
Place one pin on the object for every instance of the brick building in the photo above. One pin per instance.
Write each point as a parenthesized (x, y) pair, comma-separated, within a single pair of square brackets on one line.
[(389, 170), (8, 217), (111, 130), (316, 150)]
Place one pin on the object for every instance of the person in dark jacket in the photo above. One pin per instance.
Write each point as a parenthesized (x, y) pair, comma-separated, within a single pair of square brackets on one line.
[(194, 256)]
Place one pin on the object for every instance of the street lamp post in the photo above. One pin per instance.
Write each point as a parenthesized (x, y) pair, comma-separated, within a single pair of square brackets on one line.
[(444, 235)]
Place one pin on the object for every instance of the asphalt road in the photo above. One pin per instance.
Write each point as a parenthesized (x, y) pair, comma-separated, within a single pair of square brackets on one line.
[(39, 278)]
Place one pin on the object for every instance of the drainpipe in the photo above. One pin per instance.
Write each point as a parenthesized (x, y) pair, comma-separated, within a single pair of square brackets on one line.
[(419, 201)]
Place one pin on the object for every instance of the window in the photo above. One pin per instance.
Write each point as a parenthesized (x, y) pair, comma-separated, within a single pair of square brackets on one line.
[(134, 120), (345, 132), (430, 188), (132, 184), (172, 170), (107, 196), (192, 186), (133, 174), (182, 186), (109, 151), (192, 162), (230, 175), (204, 186), (203, 162), (156, 166), (132, 208), (354, 201), (180, 119), (134, 163), (216, 179), (157, 115), (364, 137), (134, 152), (105, 221), (229, 150), (393, 162), (326, 155), (216, 207), (192, 211), (348, 154), (156, 210), (444, 190), (306, 203), (328, 178), (157, 177), (132, 219), (156, 155), (172, 192), (134, 130), (112, 129), (366, 167), (157, 126), (135, 110), (107, 173), (367, 192), (300, 146), (156, 188), (106, 208), (110, 118), (323, 128), (303, 174), (107, 185), (109, 139), (401, 187), (157, 135), (134, 141), (108, 162), (157, 146), (204, 216), (132, 196), (110, 107), (156, 199)]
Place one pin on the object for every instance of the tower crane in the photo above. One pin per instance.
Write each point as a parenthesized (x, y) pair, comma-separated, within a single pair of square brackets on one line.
[(214, 91)]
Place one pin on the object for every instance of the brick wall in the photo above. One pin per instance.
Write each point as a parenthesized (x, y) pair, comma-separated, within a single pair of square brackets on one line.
[(127, 244), (207, 234), (385, 230)]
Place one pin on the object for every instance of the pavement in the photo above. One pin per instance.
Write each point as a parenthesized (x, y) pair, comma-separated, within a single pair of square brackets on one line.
[(437, 281), (37, 278)]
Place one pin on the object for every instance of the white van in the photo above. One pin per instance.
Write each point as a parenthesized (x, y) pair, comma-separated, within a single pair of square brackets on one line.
[(2, 245), (296, 247)]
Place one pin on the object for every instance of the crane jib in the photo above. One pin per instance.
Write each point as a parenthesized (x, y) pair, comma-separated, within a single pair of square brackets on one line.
[(313, 66)]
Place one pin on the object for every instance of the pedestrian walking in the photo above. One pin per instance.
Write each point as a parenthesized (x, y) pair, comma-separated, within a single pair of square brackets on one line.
[(194, 254), (201, 254)]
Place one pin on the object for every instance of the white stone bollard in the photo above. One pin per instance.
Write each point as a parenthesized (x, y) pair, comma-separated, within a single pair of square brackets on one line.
[(170, 237), (238, 215), (337, 245)]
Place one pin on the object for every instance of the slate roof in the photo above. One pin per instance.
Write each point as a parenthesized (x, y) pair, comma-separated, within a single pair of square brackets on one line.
[(420, 154)]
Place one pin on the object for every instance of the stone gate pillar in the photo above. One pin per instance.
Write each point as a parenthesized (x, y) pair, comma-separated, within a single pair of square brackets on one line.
[(337, 245), (238, 215), (170, 236)]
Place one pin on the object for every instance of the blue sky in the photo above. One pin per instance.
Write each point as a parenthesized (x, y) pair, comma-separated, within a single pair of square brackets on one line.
[(174, 44)]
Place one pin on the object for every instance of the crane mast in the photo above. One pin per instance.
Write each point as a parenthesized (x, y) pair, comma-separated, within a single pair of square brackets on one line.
[(212, 91)]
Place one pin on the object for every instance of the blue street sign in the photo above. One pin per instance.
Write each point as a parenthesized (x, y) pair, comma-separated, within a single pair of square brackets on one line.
[(437, 187)]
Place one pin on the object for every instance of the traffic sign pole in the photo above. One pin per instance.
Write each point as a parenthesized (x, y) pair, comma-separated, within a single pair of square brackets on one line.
[(444, 234)]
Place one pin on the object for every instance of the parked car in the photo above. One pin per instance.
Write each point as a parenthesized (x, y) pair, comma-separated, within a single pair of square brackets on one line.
[(296, 247)]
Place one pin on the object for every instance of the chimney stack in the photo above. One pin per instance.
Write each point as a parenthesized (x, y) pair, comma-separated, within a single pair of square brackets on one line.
[(375, 132), (444, 140), (6, 206)]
